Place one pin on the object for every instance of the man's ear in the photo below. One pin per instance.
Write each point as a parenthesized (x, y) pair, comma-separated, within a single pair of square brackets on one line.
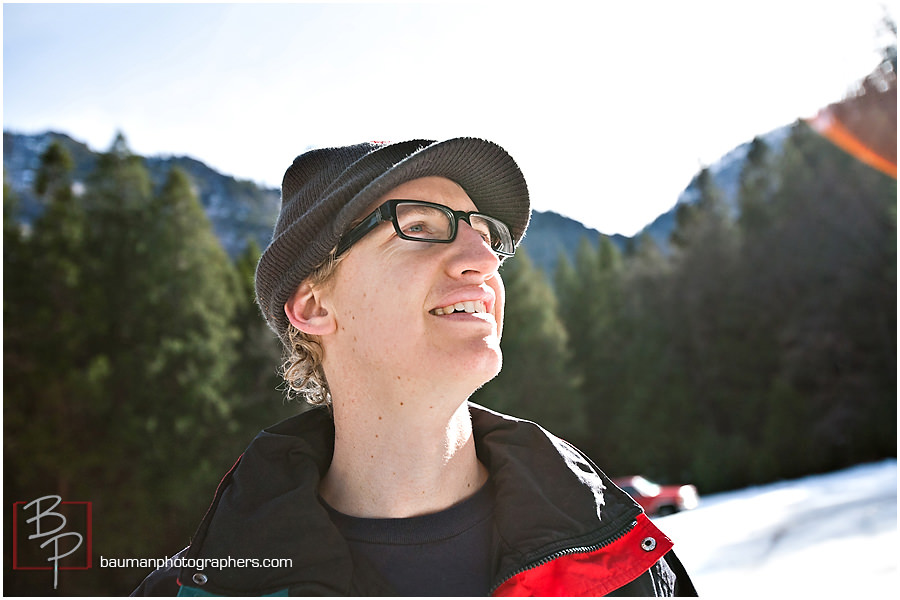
[(306, 312)]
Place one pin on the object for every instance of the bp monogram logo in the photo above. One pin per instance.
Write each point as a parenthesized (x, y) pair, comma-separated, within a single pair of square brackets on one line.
[(52, 535)]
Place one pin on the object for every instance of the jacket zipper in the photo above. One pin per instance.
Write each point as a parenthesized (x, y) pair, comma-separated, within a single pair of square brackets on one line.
[(560, 553)]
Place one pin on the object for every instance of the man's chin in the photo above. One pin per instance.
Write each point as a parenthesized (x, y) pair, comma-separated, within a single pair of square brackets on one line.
[(489, 369)]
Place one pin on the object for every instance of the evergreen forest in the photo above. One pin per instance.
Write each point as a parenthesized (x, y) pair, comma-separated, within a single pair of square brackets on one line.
[(760, 345)]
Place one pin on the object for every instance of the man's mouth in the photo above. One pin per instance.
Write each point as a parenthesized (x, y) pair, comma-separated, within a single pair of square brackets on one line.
[(476, 306)]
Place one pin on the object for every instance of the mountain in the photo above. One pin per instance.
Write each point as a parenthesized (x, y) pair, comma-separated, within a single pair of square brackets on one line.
[(551, 235), (241, 210), (725, 174), (22, 157)]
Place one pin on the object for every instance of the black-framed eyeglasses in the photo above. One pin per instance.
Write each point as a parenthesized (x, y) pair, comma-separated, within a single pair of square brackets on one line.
[(420, 221)]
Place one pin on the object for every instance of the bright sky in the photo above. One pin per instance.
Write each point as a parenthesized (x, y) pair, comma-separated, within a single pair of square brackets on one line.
[(609, 108)]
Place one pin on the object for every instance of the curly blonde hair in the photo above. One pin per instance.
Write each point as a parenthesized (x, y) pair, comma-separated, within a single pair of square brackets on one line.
[(302, 368)]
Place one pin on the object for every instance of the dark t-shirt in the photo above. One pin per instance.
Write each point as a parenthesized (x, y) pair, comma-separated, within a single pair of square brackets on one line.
[(442, 554)]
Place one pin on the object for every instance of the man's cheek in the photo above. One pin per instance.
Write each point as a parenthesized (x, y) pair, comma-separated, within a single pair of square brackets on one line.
[(499, 312)]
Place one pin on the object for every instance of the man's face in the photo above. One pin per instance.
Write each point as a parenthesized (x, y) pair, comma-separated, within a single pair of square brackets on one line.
[(392, 300)]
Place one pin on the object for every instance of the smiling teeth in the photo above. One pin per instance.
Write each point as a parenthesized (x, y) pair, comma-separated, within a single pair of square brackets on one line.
[(468, 307)]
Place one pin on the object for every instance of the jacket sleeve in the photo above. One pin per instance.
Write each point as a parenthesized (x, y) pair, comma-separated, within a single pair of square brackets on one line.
[(666, 578), (683, 584), (161, 582)]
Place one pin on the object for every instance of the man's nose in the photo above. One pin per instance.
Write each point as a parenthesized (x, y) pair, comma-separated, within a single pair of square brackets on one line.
[(472, 252)]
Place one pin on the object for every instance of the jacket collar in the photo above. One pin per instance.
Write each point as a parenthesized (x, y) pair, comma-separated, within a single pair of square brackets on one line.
[(549, 497)]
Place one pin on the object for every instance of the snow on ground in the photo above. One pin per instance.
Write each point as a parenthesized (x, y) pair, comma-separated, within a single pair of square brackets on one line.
[(823, 536)]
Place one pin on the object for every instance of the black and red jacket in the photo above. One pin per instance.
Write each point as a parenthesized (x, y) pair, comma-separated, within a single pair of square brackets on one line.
[(561, 528)]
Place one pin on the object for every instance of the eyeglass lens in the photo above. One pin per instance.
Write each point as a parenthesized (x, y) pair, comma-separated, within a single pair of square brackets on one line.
[(424, 222)]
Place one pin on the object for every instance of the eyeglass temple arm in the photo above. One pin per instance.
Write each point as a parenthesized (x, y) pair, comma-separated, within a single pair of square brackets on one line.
[(359, 231)]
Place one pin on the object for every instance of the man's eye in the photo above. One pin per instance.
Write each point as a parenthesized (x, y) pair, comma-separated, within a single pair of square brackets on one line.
[(418, 229), (485, 234)]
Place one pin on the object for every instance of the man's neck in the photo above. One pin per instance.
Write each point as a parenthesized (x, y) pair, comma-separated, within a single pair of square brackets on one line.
[(403, 461)]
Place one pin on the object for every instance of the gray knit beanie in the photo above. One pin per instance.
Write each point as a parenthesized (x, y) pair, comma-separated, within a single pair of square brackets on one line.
[(326, 190)]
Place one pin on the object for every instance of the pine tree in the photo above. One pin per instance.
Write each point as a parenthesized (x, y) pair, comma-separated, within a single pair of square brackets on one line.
[(255, 380), (44, 334), (177, 325), (592, 298), (576, 286), (54, 178), (536, 381), (756, 186), (16, 280), (189, 303), (18, 299), (836, 239)]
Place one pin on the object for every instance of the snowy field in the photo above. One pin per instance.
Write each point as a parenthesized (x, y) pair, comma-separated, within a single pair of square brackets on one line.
[(824, 536)]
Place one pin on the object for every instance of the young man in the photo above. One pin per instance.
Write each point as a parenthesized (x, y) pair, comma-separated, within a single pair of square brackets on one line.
[(381, 280)]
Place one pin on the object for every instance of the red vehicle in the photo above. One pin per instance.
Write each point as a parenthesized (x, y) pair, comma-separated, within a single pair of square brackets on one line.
[(659, 500)]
